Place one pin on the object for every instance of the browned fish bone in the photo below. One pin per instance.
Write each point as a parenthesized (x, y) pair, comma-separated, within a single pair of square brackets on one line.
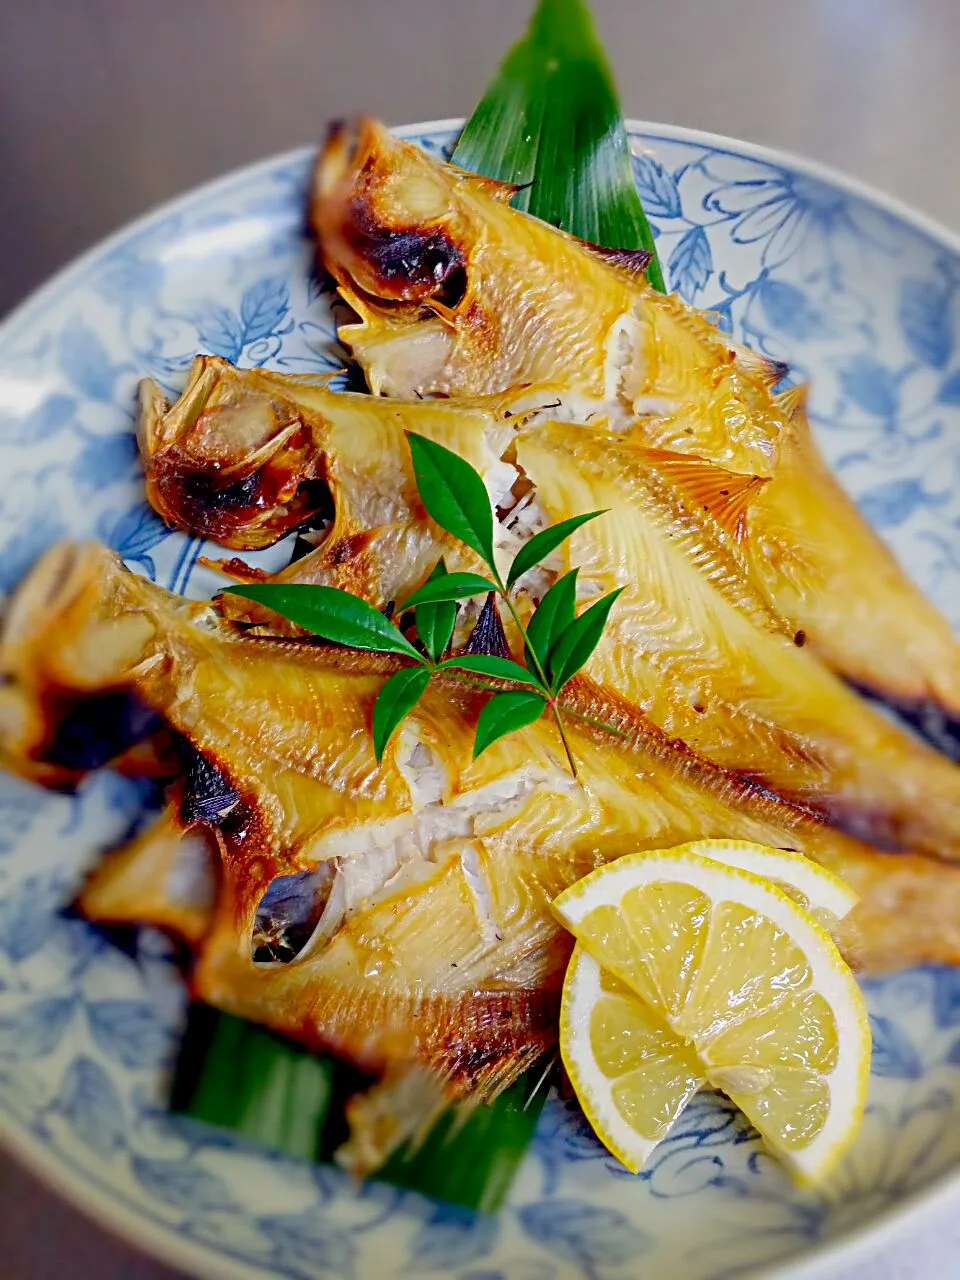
[(458, 294)]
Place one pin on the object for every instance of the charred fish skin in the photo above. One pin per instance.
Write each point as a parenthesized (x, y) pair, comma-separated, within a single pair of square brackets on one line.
[(583, 319)]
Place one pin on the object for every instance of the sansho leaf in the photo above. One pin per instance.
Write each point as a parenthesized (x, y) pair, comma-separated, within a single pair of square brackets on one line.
[(503, 714), (488, 664), (542, 543), (573, 648), (435, 622), (396, 699), (331, 613), (453, 494), (449, 586), (552, 616)]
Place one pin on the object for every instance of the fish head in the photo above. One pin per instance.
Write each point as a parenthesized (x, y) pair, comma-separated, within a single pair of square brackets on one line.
[(456, 292), (404, 237), (236, 458), (389, 218)]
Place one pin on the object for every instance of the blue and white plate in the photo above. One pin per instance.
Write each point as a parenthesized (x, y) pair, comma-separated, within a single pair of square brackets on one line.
[(858, 294)]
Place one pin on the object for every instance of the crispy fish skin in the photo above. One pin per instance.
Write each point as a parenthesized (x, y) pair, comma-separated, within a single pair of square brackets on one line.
[(447, 952), (533, 304)]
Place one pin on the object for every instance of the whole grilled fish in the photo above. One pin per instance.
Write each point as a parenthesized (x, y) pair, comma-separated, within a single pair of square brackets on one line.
[(427, 934), (694, 640), (458, 294)]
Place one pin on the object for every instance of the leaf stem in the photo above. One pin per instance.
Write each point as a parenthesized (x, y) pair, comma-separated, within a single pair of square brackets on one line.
[(540, 674), (563, 737), (537, 668)]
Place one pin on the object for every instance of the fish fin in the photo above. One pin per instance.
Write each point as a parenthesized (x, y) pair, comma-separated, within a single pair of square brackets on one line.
[(792, 403), (633, 261), (236, 569), (759, 365), (494, 188), (320, 378), (725, 495), (355, 302), (447, 314)]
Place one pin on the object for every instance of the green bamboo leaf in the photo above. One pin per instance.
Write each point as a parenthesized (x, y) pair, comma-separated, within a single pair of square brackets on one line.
[(488, 664), (453, 494), (542, 543), (505, 713), (435, 622), (573, 648), (331, 613), (395, 700), (450, 586), (552, 616), (551, 119)]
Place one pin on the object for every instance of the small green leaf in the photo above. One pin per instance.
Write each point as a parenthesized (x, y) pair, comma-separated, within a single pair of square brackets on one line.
[(453, 494), (396, 699), (542, 543), (504, 713), (573, 648), (552, 616), (488, 664), (331, 613), (550, 121), (450, 586), (435, 622)]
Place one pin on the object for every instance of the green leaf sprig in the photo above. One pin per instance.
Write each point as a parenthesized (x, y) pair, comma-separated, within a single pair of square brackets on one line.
[(556, 643), (551, 122)]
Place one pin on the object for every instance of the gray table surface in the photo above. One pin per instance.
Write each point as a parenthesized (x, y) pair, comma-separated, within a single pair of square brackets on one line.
[(108, 106)]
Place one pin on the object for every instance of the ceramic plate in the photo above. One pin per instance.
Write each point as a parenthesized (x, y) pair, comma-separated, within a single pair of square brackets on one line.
[(858, 294)]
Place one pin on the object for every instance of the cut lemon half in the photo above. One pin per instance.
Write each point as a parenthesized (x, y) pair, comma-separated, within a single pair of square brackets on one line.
[(738, 986)]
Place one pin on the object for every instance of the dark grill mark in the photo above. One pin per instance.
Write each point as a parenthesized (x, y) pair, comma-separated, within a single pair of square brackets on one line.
[(95, 730), (208, 796), (202, 491), (410, 263)]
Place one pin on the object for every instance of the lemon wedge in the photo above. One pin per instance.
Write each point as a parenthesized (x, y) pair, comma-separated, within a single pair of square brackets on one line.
[(694, 969)]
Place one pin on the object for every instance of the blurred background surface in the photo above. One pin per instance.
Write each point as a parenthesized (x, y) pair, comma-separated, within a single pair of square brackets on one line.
[(109, 106)]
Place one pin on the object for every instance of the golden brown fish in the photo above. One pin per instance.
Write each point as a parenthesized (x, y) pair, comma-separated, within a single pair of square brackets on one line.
[(245, 456), (693, 641), (427, 878), (456, 293)]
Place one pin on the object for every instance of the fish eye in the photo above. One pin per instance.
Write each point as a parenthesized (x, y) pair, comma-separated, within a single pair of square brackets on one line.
[(288, 913), (453, 288)]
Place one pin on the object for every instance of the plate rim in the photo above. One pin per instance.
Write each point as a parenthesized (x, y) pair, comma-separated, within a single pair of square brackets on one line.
[(162, 1242)]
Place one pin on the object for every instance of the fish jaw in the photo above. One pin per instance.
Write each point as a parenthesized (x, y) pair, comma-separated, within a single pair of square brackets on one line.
[(165, 876), (240, 457)]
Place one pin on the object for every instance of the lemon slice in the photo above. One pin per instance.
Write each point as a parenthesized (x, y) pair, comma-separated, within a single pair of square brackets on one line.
[(824, 895), (739, 986)]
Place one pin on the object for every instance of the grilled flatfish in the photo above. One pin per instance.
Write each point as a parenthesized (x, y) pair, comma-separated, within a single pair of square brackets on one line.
[(694, 639), (458, 294), (429, 938)]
